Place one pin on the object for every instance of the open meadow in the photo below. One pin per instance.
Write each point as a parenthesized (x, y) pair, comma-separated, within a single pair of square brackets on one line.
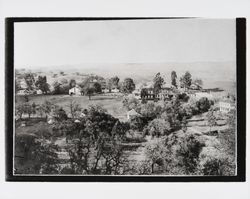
[(113, 104)]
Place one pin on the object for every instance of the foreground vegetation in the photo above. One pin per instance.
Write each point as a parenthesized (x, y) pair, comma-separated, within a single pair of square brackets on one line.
[(156, 142), (86, 135)]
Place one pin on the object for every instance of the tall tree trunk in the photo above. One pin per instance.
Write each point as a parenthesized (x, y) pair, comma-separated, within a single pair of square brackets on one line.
[(152, 167)]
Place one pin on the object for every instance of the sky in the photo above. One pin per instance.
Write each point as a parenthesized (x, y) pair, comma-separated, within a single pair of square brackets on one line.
[(45, 44)]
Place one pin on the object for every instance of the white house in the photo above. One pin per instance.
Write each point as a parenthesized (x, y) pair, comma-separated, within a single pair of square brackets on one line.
[(226, 106), (115, 90), (75, 91), (132, 113), (39, 92), (105, 90)]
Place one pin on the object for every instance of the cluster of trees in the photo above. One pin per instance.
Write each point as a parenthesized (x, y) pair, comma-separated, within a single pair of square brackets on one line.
[(89, 86), (185, 80), (93, 145), (41, 83), (39, 110), (113, 83), (188, 155), (33, 83), (158, 82), (25, 108), (95, 142), (162, 118)]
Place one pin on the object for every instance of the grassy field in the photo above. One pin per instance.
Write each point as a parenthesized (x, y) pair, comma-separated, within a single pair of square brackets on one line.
[(112, 104)]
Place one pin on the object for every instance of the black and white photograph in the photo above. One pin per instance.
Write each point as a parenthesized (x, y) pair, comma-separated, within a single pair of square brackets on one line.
[(125, 97)]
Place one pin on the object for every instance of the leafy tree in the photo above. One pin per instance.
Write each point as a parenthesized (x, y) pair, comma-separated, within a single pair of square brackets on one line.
[(186, 80), (42, 84), (150, 110), (100, 135), (72, 83), (199, 82), (188, 110), (89, 91), (131, 103), (157, 127), (173, 79), (64, 89), (188, 153), (26, 98), (57, 87), (74, 109), (182, 97), (173, 113), (211, 119), (47, 107), (68, 128), (138, 123), (29, 80), (20, 110), (40, 110), (35, 156), (97, 87), (156, 153), (158, 82), (60, 114), (33, 108), (184, 124), (128, 86), (144, 94), (100, 120), (114, 81), (216, 162), (203, 104), (79, 153), (28, 109)]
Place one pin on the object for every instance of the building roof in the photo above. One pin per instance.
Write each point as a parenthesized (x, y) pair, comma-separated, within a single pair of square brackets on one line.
[(133, 113), (76, 87)]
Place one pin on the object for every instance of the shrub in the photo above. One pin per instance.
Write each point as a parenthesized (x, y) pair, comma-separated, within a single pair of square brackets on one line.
[(188, 153), (157, 127), (155, 152), (204, 104), (38, 155), (131, 103), (216, 162), (138, 123)]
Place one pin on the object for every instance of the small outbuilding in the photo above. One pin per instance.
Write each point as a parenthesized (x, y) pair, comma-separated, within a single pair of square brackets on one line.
[(226, 105), (132, 114), (75, 91)]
